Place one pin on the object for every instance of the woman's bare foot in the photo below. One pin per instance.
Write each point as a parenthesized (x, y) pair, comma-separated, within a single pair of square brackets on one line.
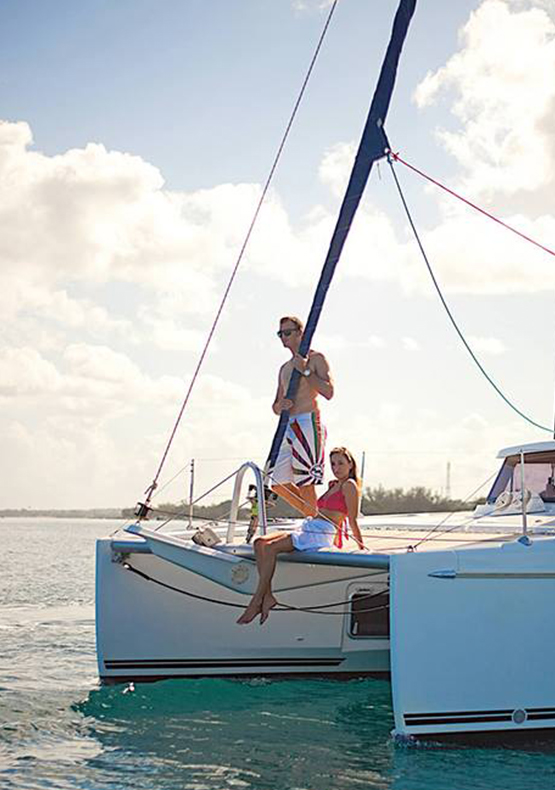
[(254, 608), (267, 605)]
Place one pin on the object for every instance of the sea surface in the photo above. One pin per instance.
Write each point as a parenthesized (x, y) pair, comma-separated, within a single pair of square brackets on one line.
[(60, 729)]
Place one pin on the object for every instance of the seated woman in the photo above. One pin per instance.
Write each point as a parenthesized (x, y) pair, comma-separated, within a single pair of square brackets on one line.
[(339, 503)]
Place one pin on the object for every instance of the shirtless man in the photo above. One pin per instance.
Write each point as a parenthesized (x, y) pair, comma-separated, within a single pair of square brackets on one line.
[(300, 463)]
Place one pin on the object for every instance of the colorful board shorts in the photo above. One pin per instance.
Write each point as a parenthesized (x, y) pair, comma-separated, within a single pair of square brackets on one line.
[(301, 457), (314, 533)]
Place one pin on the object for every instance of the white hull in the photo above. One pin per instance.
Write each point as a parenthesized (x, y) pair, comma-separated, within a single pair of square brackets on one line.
[(472, 640), (146, 631)]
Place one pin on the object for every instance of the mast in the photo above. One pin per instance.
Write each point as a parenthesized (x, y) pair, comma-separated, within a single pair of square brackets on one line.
[(373, 146)]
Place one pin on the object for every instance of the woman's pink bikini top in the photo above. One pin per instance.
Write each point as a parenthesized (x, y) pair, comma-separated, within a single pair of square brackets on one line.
[(334, 501)]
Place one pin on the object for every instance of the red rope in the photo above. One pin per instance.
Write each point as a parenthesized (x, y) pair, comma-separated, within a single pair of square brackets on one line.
[(397, 158)]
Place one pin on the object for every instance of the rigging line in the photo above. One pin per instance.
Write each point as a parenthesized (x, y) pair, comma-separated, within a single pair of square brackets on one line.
[(221, 602), (176, 475), (451, 317), (449, 515), (198, 499), (408, 547), (188, 464), (500, 538), (186, 507), (487, 214), (277, 157)]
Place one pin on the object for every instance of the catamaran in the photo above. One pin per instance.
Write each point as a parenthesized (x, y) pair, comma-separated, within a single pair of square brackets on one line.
[(454, 608)]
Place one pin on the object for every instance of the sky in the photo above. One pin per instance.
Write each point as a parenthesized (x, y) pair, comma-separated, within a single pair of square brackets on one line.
[(135, 138)]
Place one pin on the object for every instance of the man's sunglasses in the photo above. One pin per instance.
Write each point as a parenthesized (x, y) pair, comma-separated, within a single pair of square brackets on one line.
[(286, 332)]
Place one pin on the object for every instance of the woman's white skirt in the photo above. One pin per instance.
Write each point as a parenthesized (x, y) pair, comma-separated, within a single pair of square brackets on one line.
[(313, 533)]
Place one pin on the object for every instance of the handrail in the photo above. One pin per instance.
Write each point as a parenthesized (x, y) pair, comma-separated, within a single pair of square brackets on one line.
[(259, 478)]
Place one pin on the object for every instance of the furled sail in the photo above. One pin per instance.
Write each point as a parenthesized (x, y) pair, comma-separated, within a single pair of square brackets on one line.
[(373, 146)]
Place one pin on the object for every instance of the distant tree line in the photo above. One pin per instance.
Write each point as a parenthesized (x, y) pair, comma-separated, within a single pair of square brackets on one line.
[(101, 512), (417, 499), (375, 501)]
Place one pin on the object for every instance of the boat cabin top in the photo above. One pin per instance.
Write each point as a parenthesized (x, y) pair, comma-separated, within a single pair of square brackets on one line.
[(538, 472)]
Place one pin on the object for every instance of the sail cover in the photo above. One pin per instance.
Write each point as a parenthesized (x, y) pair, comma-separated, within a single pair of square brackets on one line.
[(373, 146)]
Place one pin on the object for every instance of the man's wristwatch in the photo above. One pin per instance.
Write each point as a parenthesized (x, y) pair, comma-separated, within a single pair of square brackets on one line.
[(306, 372)]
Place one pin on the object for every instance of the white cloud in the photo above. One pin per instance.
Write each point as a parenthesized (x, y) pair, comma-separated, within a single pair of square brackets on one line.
[(412, 447), (100, 217), (471, 255), (503, 100), (101, 363), (78, 411), (336, 165), (374, 341), (410, 344), (310, 5), (487, 345), (24, 371), (341, 343), (167, 333)]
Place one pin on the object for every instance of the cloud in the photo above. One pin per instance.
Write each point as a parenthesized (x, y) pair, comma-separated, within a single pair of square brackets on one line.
[(502, 99), (336, 165), (95, 425), (167, 333), (100, 217), (410, 344), (411, 447), (469, 254), (341, 343), (24, 371), (374, 341), (487, 345), (310, 5)]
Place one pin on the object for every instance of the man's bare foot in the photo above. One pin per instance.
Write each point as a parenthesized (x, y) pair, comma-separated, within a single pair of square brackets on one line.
[(267, 605), (254, 608)]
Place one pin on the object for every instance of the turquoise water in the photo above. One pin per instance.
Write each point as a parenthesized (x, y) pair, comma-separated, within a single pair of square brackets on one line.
[(60, 729)]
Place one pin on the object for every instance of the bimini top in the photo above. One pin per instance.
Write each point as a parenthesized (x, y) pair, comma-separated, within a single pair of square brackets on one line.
[(532, 447)]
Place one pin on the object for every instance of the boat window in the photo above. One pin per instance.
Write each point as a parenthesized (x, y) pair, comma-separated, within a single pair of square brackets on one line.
[(370, 612), (539, 476)]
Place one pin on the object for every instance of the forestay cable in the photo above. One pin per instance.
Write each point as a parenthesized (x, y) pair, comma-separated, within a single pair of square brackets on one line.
[(277, 157)]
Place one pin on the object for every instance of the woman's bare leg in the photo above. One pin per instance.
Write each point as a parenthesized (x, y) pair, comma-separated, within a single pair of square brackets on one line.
[(308, 494), (266, 549), (302, 498)]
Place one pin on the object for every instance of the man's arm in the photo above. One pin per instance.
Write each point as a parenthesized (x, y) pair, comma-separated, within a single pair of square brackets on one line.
[(320, 378), (280, 403)]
